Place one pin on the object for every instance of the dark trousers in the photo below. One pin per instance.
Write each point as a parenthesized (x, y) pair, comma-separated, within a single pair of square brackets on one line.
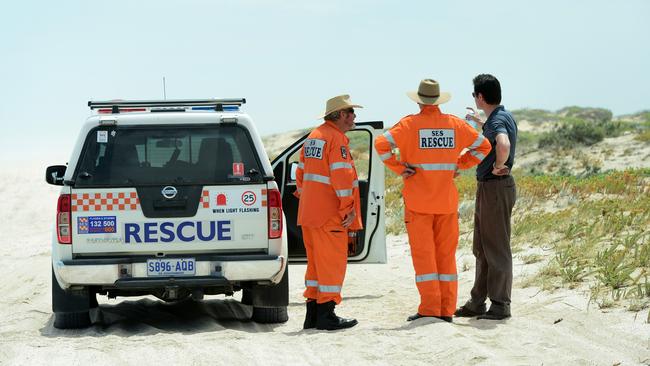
[(494, 202)]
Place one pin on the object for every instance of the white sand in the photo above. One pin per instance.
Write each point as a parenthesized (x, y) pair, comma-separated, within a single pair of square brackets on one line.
[(216, 331)]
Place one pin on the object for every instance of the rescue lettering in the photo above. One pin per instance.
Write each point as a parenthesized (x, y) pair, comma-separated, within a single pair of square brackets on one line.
[(313, 148), (437, 139), (186, 231)]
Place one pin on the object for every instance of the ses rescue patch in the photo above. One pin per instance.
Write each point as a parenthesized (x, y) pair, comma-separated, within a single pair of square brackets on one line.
[(344, 152), (96, 225), (437, 139), (313, 148)]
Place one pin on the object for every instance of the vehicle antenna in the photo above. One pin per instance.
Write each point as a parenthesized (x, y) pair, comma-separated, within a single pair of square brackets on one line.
[(164, 89)]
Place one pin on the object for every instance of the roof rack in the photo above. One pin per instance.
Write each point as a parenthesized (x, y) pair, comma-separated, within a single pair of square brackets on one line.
[(116, 104)]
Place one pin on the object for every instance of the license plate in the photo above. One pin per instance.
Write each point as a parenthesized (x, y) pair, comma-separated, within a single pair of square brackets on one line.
[(171, 267)]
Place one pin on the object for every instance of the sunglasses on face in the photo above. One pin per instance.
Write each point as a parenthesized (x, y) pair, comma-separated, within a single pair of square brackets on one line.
[(474, 94), (349, 110)]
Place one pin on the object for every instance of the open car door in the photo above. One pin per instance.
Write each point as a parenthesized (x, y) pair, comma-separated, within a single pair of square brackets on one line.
[(369, 246)]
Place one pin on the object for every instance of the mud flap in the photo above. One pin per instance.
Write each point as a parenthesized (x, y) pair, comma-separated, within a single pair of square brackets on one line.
[(268, 296), (71, 308)]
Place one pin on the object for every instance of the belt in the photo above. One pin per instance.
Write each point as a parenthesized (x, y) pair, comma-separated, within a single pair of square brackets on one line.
[(492, 177)]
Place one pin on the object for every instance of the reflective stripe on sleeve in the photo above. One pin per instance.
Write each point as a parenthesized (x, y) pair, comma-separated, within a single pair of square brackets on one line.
[(390, 139), (336, 289), (477, 155), (343, 192), (311, 283), (442, 167), (335, 166), (301, 165), (477, 143), (355, 183), (385, 156), (316, 178)]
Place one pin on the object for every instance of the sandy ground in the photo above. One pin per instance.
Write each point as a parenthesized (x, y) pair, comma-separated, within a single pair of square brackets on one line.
[(546, 328)]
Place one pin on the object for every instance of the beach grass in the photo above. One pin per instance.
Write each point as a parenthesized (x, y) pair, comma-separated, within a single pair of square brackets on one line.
[(594, 229)]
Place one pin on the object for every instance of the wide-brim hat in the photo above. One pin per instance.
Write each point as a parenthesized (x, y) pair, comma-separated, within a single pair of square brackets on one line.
[(338, 103), (429, 93)]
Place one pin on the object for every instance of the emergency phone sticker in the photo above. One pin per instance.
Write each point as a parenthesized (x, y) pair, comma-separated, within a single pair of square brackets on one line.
[(237, 169), (344, 152), (96, 225), (437, 138), (313, 148), (102, 136)]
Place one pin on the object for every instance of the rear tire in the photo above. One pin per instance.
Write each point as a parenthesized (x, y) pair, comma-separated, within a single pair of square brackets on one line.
[(71, 308), (270, 315), (269, 302)]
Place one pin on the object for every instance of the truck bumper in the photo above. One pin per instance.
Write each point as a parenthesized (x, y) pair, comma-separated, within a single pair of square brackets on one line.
[(121, 272)]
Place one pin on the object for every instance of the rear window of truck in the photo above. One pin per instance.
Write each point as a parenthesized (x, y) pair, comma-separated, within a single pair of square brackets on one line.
[(167, 154)]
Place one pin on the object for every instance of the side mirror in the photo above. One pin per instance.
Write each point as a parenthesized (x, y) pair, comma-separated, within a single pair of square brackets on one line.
[(293, 168), (54, 174)]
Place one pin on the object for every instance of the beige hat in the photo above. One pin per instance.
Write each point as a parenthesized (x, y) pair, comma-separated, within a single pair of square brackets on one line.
[(338, 103), (429, 93)]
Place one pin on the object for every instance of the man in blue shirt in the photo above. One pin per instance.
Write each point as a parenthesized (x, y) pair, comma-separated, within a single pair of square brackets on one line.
[(495, 198)]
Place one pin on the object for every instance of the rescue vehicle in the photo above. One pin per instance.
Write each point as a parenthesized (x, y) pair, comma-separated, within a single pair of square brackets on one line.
[(178, 199)]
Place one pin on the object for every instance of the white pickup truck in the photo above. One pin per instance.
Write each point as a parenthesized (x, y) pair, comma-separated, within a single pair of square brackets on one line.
[(178, 199)]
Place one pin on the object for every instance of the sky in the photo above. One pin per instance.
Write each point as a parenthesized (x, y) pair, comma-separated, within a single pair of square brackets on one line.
[(288, 57)]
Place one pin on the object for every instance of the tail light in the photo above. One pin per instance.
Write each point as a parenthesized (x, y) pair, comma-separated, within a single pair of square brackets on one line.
[(63, 219), (275, 214)]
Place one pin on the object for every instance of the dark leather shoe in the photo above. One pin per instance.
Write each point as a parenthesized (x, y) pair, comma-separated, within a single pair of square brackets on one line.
[(466, 311), (310, 315), (490, 315), (327, 319)]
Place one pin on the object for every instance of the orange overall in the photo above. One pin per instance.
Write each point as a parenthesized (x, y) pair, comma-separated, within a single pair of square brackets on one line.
[(328, 190), (431, 142)]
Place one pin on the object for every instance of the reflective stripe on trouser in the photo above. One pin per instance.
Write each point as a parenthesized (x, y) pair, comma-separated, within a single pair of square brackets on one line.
[(433, 240), (327, 255)]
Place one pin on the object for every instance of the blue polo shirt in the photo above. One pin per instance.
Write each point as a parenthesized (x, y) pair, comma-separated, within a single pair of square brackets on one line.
[(499, 121)]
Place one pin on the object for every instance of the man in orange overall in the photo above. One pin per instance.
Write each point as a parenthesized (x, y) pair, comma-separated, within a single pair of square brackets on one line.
[(328, 209), (430, 145)]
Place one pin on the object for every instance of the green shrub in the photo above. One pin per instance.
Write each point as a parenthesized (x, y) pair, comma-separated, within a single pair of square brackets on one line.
[(527, 141), (534, 116), (598, 115), (573, 131), (643, 127)]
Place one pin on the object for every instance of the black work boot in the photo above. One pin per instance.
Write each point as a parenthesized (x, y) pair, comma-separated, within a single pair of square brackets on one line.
[(498, 311), (328, 320), (470, 310), (417, 316), (310, 315)]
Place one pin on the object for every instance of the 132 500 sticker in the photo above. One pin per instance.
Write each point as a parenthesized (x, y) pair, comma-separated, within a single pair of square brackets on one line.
[(96, 225)]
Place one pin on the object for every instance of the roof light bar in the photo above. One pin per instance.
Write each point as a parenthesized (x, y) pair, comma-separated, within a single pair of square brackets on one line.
[(120, 110), (218, 104)]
